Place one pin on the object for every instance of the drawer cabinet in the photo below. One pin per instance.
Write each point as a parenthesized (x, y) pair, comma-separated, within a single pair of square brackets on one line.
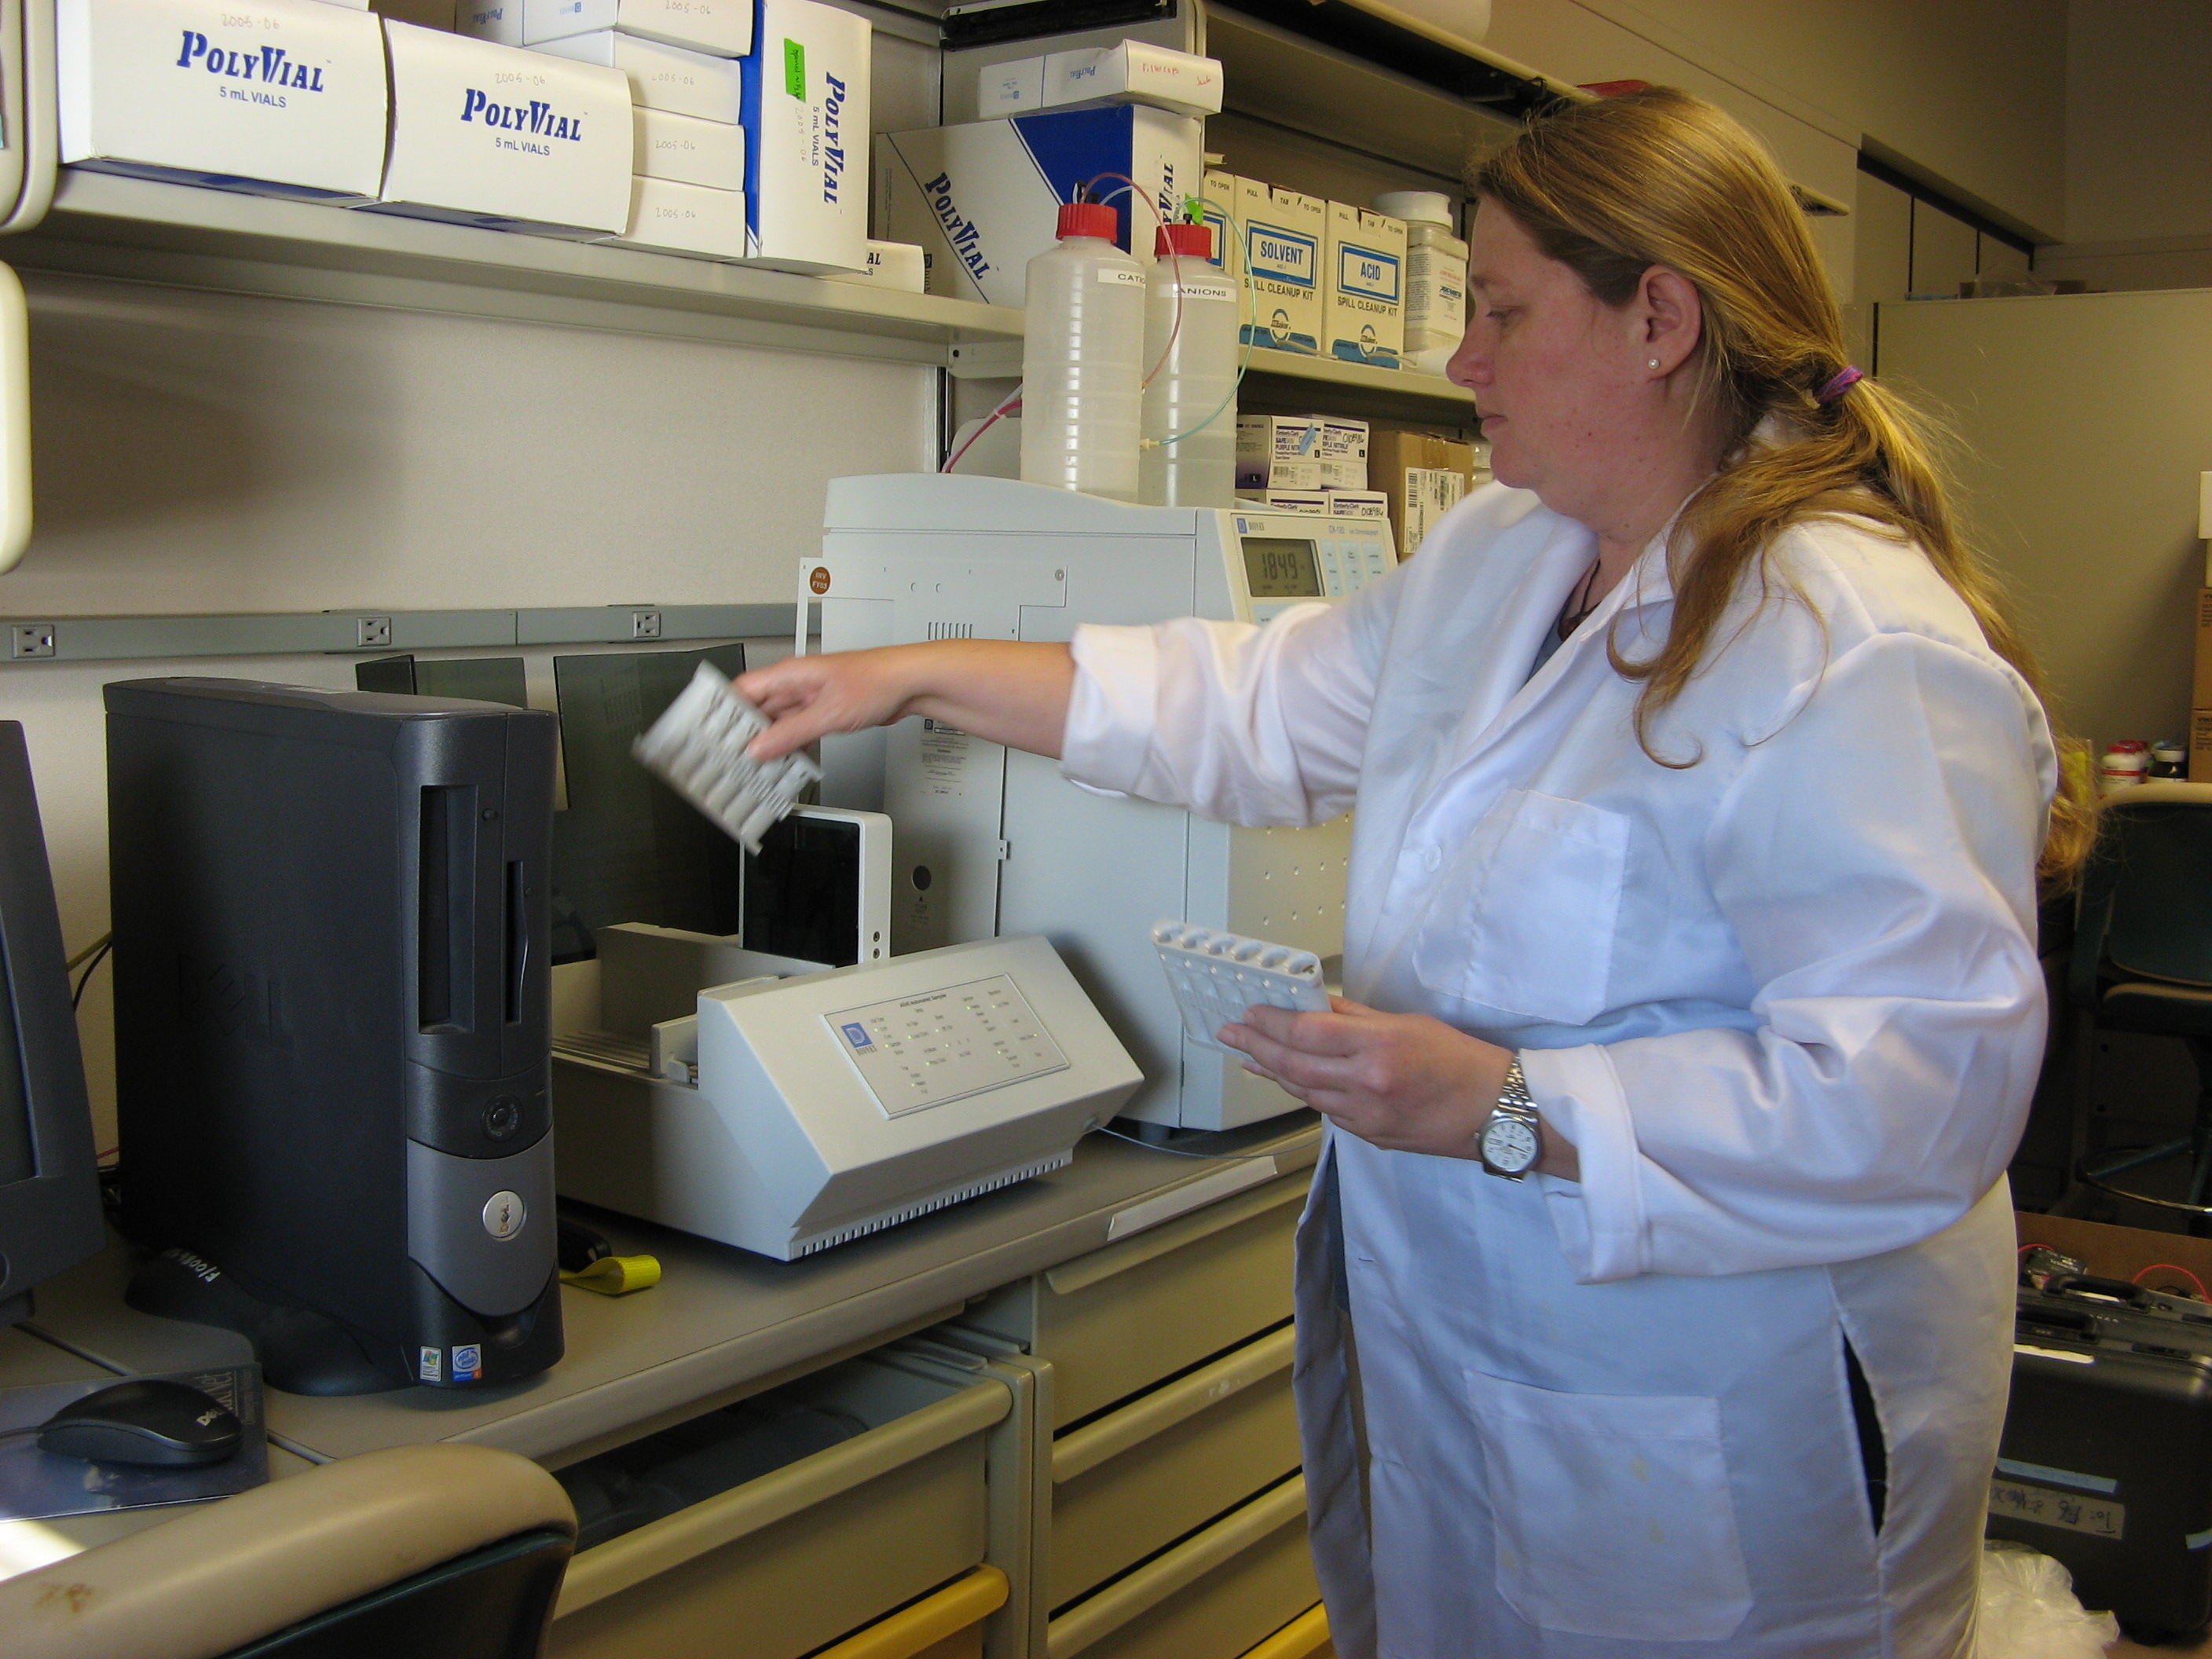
[(787, 1563), (1122, 1319)]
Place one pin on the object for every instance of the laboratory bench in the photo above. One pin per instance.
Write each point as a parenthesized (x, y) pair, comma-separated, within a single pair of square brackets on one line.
[(1068, 1426)]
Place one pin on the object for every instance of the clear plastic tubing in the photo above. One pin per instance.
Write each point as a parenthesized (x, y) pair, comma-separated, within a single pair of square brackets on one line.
[(1083, 367), (1190, 331)]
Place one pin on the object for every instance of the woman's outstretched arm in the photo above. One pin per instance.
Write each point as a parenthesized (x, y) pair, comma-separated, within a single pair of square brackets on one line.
[(1002, 691)]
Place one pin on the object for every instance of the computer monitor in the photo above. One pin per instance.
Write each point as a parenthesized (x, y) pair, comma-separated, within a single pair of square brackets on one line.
[(50, 1214)]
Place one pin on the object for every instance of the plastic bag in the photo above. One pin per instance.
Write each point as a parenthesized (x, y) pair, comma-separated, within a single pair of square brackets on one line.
[(2027, 1610)]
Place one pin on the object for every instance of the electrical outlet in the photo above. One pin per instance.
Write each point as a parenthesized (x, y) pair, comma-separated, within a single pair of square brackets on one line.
[(645, 625), (372, 630), (31, 639)]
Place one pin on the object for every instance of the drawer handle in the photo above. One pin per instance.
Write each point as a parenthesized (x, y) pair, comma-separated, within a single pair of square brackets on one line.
[(655, 1547), (1181, 1566), (1162, 1409), (1171, 1235), (915, 1629)]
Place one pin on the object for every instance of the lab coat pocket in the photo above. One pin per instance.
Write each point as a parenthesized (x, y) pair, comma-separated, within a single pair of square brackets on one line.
[(1524, 919), (1612, 1513)]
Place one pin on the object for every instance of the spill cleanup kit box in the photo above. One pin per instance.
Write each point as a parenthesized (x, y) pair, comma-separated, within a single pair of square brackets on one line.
[(683, 148), (1283, 233), (1218, 209), (510, 140), (679, 218), (722, 28), (983, 198), (806, 92), (1363, 318), (286, 99), (660, 78)]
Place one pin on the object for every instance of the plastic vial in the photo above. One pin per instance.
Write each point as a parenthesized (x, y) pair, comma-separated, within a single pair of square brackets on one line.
[(1083, 348), (1436, 276), (1190, 332), (2124, 765), (2169, 758)]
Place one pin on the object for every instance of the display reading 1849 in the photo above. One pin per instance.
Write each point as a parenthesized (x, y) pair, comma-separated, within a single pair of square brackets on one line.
[(1281, 567)]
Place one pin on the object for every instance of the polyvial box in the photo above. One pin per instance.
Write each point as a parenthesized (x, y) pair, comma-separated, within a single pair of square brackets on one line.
[(661, 77), (806, 111), (722, 28), (689, 151), (286, 99), (680, 218), (510, 140)]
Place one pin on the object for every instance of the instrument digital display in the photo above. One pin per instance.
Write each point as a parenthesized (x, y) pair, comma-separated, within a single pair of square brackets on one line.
[(1281, 567)]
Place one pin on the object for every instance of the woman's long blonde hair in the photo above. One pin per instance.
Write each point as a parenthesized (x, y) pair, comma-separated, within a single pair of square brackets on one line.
[(1661, 178)]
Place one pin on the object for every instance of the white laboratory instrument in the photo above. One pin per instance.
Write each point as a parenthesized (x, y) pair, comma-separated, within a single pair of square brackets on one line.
[(996, 841), (1218, 978), (698, 745), (830, 1105)]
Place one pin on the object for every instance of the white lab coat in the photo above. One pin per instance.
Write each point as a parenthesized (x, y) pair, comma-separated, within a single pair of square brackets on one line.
[(1784, 1001)]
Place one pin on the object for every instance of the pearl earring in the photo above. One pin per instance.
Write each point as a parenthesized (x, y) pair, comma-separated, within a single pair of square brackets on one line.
[(1655, 363)]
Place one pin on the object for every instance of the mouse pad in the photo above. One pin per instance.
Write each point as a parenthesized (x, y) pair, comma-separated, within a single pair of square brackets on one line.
[(39, 1485)]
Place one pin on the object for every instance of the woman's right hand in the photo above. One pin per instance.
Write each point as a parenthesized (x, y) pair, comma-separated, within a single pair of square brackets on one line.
[(1012, 693), (806, 698)]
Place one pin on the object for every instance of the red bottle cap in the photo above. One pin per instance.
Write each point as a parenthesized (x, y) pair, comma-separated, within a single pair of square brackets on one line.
[(1196, 240), (1099, 219)]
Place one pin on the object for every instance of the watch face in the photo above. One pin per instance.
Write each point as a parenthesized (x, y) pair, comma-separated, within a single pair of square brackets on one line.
[(1509, 1144)]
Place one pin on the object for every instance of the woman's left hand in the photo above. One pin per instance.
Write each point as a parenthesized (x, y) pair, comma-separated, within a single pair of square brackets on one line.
[(1406, 1082)]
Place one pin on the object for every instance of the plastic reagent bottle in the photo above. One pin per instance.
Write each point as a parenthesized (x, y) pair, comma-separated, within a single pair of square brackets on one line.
[(1083, 367), (1436, 276), (1190, 408)]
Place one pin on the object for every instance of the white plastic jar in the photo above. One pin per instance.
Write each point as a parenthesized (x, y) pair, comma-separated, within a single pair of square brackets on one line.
[(1436, 276)]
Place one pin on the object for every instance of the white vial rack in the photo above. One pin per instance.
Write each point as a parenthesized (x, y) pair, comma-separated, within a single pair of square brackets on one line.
[(1216, 976), (698, 744)]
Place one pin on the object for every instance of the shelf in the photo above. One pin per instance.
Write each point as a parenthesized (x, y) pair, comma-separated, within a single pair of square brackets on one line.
[(1340, 388), (104, 225)]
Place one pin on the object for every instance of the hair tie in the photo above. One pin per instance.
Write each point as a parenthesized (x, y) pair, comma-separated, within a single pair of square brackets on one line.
[(1840, 385)]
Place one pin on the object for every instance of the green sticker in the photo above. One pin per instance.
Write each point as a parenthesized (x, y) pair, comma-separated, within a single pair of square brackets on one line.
[(794, 69)]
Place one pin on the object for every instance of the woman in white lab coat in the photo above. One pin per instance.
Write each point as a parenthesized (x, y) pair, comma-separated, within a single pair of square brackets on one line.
[(1701, 790)]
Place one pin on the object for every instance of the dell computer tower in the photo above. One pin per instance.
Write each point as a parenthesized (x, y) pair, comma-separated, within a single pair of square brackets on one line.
[(332, 1004)]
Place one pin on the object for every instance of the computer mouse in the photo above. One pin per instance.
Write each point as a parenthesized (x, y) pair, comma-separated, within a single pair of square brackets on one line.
[(146, 1421)]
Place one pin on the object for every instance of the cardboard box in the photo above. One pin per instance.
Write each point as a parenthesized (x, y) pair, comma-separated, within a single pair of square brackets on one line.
[(1363, 318), (1358, 504), (674, 217), (687, 151), (1134, 72), (982, 198), (499, 22), (721, 28), (660, 78), (2121, 1253), (493, 135), (2200, 745), (1423, 476), (806, 101), (285, 100), (1218, 195), (893, 265), (1010, 89), (2201, 697), (1283, 233)]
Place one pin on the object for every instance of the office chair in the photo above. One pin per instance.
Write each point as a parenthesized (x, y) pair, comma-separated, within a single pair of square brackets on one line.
[(2143, 962), (442, 1551)]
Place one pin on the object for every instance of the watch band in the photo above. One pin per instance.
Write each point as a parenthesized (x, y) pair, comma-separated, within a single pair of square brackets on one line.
[(1511, 1139)]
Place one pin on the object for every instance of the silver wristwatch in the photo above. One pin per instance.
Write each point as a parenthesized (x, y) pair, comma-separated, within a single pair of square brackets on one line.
[(1511, 1142)]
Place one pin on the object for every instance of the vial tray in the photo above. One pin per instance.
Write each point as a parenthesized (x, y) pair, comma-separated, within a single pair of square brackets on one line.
[(698, 745), (1216, 976)]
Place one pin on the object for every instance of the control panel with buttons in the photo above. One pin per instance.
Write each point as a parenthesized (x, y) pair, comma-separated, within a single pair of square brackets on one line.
[(1283, 559)]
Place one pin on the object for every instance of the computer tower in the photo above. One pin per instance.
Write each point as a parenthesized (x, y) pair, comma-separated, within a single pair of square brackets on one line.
[(332, 1008)]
